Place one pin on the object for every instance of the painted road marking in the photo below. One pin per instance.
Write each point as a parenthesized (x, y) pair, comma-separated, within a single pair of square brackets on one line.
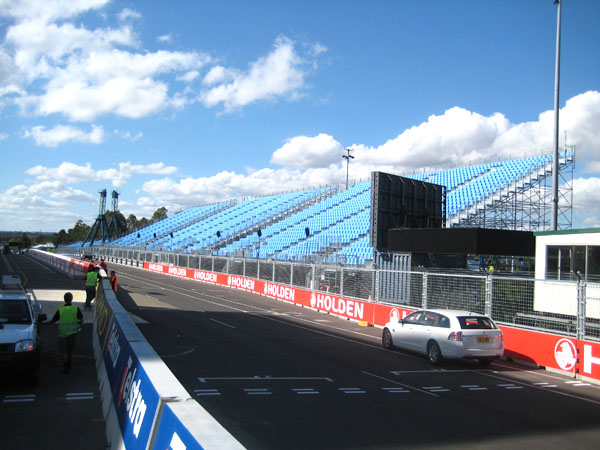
[(435, 389), (545, 385), (474, 387), (258, 377), (80, 396), (305, 391), (396, 390), (510, 386), (259, 391), (19, 398), (206, 392), (352, 390)]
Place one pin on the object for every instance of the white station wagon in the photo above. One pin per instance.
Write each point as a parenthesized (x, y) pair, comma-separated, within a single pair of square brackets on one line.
[(443, 333)]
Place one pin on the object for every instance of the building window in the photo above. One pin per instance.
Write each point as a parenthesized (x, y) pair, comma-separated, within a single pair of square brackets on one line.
[(564, 262)]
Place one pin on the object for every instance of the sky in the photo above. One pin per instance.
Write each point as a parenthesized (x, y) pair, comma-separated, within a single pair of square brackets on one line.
[(175, 104)]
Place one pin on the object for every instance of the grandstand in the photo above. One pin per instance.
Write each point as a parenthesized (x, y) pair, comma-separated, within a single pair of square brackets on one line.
[(333, 223)]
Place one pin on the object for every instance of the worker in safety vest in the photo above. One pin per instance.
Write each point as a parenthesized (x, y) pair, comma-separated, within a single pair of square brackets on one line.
[(91, 281), (69, 318)]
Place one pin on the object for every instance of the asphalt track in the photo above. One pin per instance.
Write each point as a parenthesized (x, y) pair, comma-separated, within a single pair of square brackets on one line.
[(279, 376), (64, 411)]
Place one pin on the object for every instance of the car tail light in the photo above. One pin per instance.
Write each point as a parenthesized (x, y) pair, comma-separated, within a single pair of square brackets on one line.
[(455, 336)]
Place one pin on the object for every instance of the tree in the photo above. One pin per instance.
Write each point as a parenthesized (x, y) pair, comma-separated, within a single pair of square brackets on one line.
[(159, 214), (132, 223), (60, 238), (78, 232), (25, 241), (121, 221)]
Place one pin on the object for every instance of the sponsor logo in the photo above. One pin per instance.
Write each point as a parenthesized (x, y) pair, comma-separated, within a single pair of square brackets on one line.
[(132, 396), (565, 354), (240, 282), (112, 347), (588, 359), (156, 267), (394, 315), (337, 305), (179, 271), (208, 277), (282, 292)]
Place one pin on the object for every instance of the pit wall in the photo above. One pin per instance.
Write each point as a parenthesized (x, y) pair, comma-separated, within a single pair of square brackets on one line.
[(144, 405), (564, 354)]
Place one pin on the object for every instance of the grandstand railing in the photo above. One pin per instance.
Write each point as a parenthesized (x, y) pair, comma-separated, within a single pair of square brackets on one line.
[(508, 298)]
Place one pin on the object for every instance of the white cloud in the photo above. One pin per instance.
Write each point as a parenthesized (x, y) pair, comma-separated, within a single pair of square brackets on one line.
[(128, 136), (306, 152), (129, 14), (279, 74), (165, 38), (3, 136), (70, 70), (118, 177), (188, 77), (64, 133)]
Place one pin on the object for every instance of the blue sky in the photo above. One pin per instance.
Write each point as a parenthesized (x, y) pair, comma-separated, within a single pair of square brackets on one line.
[(180, 103)]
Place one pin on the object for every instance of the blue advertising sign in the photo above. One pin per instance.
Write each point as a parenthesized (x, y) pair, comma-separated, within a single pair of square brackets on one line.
[(172, 435), (135, 398)]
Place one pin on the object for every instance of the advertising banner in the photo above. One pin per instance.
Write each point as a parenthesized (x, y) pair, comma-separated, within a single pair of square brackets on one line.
[(135, 398)]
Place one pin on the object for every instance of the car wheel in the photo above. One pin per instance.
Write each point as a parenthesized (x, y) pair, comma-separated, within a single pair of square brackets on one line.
[(434, 353), (386, 339)]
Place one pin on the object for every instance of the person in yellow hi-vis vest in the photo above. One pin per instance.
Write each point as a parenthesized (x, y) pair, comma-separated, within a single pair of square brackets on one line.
[(91, 280), (69, 318)]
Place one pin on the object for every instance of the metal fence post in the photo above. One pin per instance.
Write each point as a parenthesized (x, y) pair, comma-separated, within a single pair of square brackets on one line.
[(489, 291), (424, 290), (376, 290), (342, 281), (273, 277), (581, 305)]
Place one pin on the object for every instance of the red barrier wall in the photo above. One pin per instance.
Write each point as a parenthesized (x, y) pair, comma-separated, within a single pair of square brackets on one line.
[(544, 349)]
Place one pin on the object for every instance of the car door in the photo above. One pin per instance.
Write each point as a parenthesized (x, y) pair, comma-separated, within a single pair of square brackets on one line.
[(427, 328), (403, 333)]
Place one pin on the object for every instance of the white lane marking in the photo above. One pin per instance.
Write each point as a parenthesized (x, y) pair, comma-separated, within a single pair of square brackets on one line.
[(260, 391), (400, 384), (80, 396), (510, 386), (396, 390), (206, 392), (436, 389), (221, 323), (258, 377), (305, 391), (352, 390), (545, 385), (19, 398)]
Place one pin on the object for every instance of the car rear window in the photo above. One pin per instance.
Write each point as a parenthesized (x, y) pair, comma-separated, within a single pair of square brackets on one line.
[(475, 323)]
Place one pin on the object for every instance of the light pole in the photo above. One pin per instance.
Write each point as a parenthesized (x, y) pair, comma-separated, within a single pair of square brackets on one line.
[(347, 157), (555, 161)]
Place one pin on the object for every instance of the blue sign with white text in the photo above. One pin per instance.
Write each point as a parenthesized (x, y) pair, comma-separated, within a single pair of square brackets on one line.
[(135, 398), (172, 435)]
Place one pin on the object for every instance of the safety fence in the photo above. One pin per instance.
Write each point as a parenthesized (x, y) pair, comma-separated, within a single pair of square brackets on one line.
[(571, 308)]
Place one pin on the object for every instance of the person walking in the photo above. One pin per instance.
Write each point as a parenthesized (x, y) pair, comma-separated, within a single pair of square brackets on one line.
[(103, 265), (113, 280), (91, 281), (69, 318)]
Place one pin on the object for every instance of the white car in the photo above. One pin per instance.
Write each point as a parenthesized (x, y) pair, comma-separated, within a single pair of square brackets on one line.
[(443, 333)]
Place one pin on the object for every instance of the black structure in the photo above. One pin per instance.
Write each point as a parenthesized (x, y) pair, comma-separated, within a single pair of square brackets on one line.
[(100, 225), (462, 241), (398, 202), (113, 226)]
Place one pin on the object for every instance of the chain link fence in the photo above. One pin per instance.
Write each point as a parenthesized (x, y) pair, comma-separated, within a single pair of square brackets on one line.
[(567, 307)]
